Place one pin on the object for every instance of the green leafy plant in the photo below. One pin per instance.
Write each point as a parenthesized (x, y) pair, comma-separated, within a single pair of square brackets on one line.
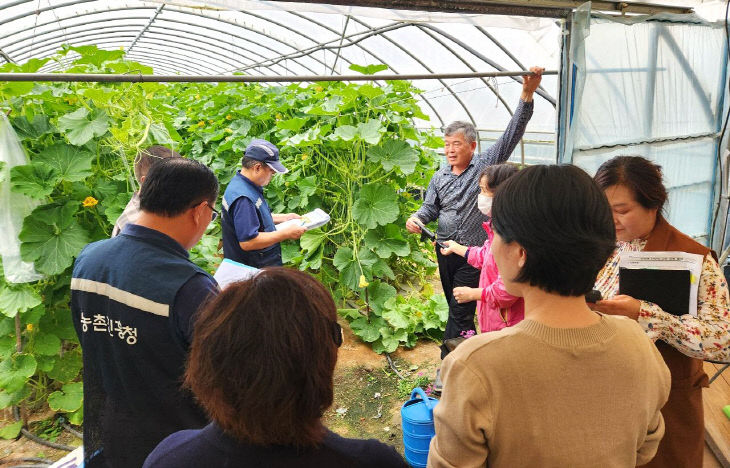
[(352, 150)]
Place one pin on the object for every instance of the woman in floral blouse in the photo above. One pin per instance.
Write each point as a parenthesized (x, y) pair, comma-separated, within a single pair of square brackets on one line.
[(634, 188)]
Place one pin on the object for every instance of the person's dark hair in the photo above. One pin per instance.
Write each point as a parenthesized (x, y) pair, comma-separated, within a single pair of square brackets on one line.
[(641, 176), (147, 157), (249, 163), (498, 173), (263, 356), (174, 185), (563, 221)]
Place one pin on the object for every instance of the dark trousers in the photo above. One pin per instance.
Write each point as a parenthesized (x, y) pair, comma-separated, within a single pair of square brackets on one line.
[(455, 272)]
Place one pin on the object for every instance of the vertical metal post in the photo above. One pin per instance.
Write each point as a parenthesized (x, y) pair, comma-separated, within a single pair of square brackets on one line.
[(651, 81)]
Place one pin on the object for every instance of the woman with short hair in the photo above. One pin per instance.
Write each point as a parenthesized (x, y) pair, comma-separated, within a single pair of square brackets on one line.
[(567, 386), (637, 196), (261, 363)]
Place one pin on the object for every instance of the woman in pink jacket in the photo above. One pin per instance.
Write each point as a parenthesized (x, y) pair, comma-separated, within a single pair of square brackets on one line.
[(496, 308)]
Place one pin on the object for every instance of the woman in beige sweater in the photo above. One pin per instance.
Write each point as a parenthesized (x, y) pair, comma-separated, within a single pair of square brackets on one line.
[(567, 386)]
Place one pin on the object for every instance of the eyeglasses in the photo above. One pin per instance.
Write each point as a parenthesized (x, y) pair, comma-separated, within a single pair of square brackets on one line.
[(216, 213)]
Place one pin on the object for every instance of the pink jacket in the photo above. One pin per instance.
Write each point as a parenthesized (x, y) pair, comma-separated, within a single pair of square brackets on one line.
[(498, 308)]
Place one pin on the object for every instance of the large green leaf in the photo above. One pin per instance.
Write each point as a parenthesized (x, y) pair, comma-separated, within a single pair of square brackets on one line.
[(17, 299), (46, 344), (80, 127), (91, 54), (67, 367), (346, 132), (378, 293), (368, 69), (68, 399), (367, 330), (396, 317), (30, 130), (388, 241), (395, 153), (311, 240), (12, 430), (34, 180), (72, 164), (351, 267), (13, 398), (370, 131), (377, 205), (15, 371), (51, 238)]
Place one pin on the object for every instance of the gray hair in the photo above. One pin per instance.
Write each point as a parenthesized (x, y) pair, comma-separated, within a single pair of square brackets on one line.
[(465, 128)]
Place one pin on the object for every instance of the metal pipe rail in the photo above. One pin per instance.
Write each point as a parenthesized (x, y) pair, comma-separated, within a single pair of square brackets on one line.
[(140, 78)]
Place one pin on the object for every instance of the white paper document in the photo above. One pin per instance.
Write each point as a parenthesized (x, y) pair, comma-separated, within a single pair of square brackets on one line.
[(668, 261), (230, 271), (311, 220)]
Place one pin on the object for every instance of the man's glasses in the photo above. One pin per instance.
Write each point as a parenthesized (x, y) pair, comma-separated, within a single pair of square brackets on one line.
[(216, 213)]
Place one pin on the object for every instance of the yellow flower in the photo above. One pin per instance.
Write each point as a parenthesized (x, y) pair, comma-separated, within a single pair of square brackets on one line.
[(167, 94), (201, 123), (29, 327), (211, 121), (363, 282), (229, 117), (197, 97), (229, 130), (278, 116), (304, 156), (89, 202)]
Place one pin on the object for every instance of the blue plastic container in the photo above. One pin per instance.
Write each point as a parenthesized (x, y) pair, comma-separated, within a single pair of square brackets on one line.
[(418, 430)]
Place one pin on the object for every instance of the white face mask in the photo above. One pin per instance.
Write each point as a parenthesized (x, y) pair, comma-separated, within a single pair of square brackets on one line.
[(484, 203)]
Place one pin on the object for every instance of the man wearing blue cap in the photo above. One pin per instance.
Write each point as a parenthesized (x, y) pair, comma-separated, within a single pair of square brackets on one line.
[(249, 232)]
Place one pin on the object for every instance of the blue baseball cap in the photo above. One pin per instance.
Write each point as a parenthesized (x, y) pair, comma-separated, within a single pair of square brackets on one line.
[(266, 152)]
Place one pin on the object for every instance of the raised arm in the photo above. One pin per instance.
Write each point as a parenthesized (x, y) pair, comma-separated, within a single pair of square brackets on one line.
[(500, 151)]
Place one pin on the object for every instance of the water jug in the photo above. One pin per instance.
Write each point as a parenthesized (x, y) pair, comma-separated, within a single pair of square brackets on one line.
[(418, 430)]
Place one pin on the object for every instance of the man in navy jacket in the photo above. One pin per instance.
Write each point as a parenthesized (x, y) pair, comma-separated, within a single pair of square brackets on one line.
[(134, 298)]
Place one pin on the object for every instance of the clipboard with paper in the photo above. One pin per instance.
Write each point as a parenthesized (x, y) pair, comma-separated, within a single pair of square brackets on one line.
[(668, 279)]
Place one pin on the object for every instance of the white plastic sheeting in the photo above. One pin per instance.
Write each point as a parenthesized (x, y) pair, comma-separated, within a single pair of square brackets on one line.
[(14, 207), (657, 91)]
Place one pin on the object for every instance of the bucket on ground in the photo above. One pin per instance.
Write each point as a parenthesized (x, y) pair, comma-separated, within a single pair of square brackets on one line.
[(418, 429)]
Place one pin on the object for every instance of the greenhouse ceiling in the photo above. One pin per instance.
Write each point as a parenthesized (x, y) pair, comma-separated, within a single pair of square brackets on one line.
[(313, 38)]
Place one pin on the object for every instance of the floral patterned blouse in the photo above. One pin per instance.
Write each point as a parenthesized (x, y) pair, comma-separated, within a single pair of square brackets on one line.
[(706, 336)]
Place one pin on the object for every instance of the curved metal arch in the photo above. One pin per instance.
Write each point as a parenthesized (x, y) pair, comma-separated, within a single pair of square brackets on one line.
[(228, 33), (470, 67), (443, 83), (182, 46), (263, 46), (146, 51), (161, 27), (42, 10), (326, 44), (481, 56), (29, 48), (162, 18), (511, 56), (107, 33), (428, 103), (51, 31)]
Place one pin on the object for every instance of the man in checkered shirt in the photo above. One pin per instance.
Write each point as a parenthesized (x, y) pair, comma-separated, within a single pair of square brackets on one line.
[(142, 164), (451, 198)]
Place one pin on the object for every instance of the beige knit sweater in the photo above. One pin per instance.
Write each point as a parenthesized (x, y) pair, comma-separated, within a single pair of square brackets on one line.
[(536, 396)]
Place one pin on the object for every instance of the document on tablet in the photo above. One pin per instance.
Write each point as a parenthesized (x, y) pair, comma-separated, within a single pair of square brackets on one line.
[(668, 279), (230, 271), (311, 220)]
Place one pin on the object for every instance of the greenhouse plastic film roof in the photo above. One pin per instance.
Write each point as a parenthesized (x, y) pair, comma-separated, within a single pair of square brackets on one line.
[(272, 38)]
